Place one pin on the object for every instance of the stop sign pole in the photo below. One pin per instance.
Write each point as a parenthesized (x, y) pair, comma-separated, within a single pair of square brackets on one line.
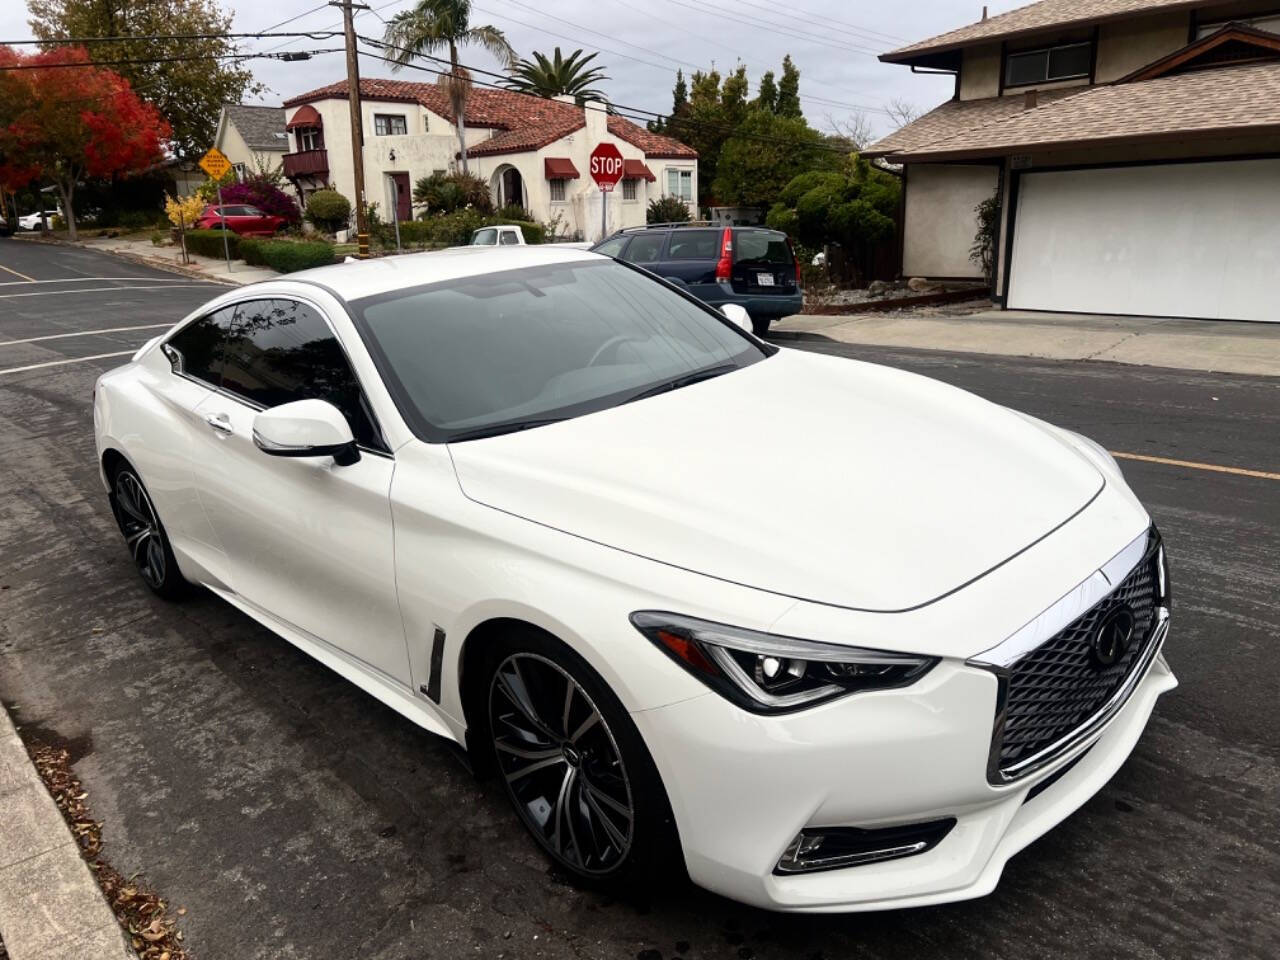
[(606, 170)]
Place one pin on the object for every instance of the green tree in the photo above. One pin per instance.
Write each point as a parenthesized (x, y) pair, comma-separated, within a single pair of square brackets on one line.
[(767, 96), (439, 25), (558, 76), (764, 153), (788, 101), (190, 93)]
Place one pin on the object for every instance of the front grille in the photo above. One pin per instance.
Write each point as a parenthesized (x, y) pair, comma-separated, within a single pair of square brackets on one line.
[(1059, 686)]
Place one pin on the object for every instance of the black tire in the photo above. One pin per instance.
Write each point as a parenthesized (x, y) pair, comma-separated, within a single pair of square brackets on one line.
[(574, 766), (144, 535), (760, 325)]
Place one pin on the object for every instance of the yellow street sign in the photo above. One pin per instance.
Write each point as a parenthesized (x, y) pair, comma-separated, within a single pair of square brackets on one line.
[(215, 163)]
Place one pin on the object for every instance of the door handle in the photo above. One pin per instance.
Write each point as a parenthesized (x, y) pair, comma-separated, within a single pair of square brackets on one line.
[(220, 422)]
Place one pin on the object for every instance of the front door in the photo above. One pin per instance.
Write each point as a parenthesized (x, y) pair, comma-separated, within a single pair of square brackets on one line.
[(404, 209), (309, 542)]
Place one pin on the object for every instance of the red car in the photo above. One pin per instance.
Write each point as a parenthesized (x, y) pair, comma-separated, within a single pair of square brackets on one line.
[(242, 219)]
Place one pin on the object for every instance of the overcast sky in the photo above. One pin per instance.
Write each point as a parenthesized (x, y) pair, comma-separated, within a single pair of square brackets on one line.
[(642, 42)]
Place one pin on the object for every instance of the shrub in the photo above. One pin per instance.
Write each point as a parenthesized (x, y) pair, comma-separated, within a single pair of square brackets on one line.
[(328, 210), (450, 192), (514, 213), (287, 256), (667, 210), (259, 191), (208, 243), (135, 220), (185, 211)]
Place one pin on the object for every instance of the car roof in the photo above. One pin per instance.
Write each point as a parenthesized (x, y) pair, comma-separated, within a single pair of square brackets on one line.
[(366, 278)]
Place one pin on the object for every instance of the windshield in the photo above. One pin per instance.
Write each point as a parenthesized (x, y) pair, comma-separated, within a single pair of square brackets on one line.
[(505, 351)]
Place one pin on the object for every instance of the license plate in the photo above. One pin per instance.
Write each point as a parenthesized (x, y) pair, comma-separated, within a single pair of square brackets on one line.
[(764, 279)]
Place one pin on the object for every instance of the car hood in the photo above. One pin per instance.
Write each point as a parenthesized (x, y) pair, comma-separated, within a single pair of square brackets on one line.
[(815, 477)]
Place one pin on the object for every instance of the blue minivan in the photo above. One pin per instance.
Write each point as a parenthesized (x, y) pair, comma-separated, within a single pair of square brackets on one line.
[(750, 266)]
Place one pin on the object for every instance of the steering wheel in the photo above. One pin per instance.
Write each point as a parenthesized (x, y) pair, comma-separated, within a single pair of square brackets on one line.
[(612, 344)]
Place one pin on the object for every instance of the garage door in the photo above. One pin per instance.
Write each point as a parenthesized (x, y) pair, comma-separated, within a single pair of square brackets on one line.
[(1177, 240)]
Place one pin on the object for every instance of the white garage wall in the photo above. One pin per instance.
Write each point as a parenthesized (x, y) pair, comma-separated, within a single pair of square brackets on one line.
[(1178, 240)]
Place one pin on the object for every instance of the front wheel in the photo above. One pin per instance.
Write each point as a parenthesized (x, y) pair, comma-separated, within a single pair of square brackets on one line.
[(574, 765), (144, 535)]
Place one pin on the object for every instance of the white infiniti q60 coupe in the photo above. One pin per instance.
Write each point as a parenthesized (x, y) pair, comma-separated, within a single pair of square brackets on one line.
[(830, 635)]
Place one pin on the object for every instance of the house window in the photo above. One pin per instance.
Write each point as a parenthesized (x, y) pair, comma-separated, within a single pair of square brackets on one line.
[(1270, 23), (390, 125), (680, 183), (1066, 62), (241, 171), (628, 189), (309, 139), (557, 191)]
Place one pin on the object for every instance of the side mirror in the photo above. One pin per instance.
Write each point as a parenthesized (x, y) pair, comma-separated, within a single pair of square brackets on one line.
[(306, 428), (737, 314)]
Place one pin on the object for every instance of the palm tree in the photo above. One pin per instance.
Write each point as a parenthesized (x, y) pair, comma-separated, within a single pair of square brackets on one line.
[(558, 76), (437, 25)]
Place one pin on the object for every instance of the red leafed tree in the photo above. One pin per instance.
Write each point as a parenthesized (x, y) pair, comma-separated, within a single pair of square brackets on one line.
[(63, 119)]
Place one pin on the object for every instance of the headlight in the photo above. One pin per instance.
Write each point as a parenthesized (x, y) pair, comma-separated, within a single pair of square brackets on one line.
[(764, 673)]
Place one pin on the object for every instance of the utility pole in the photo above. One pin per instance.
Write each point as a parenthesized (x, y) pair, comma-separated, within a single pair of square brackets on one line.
[(357, 125)]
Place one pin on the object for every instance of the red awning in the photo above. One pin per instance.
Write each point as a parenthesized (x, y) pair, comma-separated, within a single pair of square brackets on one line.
[(636, 170), (560, 168), (305, 117)]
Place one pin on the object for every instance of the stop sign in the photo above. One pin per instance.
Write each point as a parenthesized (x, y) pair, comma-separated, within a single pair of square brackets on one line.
[(606, 166)]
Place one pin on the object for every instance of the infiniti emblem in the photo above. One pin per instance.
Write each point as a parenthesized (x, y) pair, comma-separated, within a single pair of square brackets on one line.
[(1112, 638)]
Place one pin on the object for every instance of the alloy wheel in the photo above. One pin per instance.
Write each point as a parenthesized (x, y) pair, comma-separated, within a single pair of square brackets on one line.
[(141, 528), (561, 764)]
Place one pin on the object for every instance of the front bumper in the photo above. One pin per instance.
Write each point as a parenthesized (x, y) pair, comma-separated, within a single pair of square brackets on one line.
[(742, 787)]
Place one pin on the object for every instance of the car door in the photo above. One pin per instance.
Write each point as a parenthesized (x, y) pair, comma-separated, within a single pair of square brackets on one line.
[(691, 261), (309, 542), (645, 249)]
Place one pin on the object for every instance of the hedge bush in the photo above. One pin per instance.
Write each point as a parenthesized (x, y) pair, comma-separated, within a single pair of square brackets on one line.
[(287, 256), (208, 243), (328, 210), (455, 229)]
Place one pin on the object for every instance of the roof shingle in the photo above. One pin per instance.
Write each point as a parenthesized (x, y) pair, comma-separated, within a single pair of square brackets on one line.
[(262, 128), (955, 116), (1236, 101), (1045, 15), (527, 122)]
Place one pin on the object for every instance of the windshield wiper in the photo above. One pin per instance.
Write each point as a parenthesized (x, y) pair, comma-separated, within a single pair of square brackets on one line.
[(690, 378), (498, 429)]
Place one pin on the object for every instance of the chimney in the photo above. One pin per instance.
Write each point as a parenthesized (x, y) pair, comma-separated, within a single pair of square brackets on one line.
[(597, 117), (1029, 100), (984, 12)]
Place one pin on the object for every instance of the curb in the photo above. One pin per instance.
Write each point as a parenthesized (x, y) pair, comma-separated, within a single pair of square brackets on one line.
[(51, 907)]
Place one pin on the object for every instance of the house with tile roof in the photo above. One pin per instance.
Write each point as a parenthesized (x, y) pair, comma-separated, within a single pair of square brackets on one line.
[(252, 137), (531, 151), (1133, 147)]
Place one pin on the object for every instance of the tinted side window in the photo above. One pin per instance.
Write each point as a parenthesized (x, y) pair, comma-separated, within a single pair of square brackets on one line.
[(198, 347), (611, 248), (645, 248), (694, 245), (279, 351)]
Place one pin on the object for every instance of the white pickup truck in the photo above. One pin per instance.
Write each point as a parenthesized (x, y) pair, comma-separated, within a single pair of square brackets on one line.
[(504, 235)]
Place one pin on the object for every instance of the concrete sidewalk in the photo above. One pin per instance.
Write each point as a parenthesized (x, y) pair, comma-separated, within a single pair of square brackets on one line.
[(51, 907), (1223, 346), (170, 258)]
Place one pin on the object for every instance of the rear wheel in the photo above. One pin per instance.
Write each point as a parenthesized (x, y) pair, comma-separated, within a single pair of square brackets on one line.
[(144, 535), (574, 765), (760, 325)]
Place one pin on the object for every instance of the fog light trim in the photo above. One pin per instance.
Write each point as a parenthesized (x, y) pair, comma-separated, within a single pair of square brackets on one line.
[(833, 848)]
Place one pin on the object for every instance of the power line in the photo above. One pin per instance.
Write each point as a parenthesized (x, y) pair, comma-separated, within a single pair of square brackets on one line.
[(699, 6), (290, 55), (313, 35), (842, 26), (299, 16), (374, 10), (552, 33)]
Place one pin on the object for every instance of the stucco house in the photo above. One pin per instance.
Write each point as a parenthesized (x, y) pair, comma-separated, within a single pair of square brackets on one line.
[(532, 151), (252, 137), (1134, 146)]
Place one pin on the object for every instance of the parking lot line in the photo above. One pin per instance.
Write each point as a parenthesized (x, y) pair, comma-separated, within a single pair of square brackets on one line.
[(61, 363), (54, 293), (83, 333), (20, 283), (17, 274), (1194, 465)]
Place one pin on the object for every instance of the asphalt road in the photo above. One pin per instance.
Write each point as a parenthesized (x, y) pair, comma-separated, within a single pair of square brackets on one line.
[(294, 816)]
